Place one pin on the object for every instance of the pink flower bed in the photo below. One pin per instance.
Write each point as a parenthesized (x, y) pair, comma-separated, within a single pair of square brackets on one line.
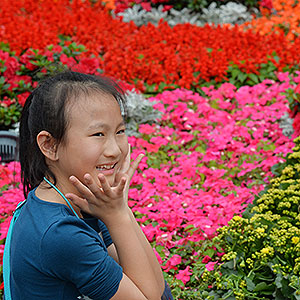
[(205, 161)]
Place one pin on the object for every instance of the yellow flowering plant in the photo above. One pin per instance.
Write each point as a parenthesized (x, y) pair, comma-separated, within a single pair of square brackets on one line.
[(262, 247)]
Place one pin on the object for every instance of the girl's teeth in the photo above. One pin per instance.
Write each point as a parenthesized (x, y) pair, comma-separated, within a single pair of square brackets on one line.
[(105, 167)]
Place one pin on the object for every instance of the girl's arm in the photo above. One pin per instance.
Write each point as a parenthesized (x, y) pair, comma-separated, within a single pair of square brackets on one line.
[(129, 170), (148, 249), (150, 254)]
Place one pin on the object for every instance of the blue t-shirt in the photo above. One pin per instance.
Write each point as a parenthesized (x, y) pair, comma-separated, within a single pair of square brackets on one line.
[(57, 256)]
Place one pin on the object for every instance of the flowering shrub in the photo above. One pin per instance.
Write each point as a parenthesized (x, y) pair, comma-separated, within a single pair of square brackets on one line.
[(33, 65), (262, 247)]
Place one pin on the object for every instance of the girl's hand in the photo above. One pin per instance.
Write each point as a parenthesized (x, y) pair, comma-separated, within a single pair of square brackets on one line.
[(104, 201)]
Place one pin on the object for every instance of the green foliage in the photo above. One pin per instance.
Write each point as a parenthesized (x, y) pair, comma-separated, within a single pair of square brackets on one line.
[(239, 78), (262, 247), (9, 116), (268, 70)]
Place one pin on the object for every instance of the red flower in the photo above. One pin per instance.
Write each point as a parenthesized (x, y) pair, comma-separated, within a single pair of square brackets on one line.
[(206, 259), (22, 98)]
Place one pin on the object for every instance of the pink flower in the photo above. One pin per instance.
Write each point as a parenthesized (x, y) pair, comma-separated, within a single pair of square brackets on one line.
[(147, 129), (210, 266), (167, 7), (184, 275), (146, 6), (267, 4), (69, 61), (172, 263)]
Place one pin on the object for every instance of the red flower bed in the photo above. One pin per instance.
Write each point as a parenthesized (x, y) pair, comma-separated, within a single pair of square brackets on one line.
[(185, 55)]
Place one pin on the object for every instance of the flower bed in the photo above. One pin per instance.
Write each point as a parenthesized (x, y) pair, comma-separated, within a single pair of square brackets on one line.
[(206, 160), (212, 150), (183, 56)]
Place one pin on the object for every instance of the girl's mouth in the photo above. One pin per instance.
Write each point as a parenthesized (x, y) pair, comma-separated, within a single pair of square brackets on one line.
[(106, 169)]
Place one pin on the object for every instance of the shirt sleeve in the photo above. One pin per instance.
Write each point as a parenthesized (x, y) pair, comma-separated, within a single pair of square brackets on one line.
[(72, 251), (105, 233)]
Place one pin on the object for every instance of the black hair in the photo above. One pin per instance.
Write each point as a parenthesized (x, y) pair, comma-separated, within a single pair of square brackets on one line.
[(45, 109)]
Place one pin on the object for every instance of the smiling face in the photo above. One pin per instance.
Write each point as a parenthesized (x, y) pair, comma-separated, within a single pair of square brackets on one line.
[(95, 141)]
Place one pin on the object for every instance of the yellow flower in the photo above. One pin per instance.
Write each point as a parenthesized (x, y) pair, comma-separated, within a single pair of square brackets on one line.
[(295, 240), (265, 250), (236, 218), (260, 230)]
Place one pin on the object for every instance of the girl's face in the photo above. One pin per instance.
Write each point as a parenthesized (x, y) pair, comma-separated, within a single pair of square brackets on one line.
[(95, 141)]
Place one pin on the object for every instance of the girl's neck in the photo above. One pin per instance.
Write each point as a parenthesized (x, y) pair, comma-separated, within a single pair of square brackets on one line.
[(46, 193)]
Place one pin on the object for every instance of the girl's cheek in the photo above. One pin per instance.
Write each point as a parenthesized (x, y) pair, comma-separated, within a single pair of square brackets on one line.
[(125, 146)]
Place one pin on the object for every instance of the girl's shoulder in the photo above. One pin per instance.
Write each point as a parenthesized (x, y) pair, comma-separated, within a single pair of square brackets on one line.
[(48, 222)]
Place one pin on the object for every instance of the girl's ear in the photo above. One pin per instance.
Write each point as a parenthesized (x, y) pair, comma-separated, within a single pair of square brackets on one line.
[(47, 145)]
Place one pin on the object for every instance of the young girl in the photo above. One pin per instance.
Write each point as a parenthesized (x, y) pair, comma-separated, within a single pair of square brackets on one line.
[(75, 235)]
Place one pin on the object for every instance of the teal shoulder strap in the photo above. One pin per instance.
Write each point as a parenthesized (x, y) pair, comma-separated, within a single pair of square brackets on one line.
[(6, 254)]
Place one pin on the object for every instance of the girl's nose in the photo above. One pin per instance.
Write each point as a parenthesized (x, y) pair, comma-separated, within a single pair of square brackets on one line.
[(112, 148)]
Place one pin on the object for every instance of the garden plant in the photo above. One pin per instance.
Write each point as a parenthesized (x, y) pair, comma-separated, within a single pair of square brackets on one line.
[(261, 259), (215, 110)]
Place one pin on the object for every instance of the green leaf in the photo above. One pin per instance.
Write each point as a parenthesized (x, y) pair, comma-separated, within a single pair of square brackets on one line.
[(242, 77), (250, 284), (226, 295), (209, 252), (253, 77), (278, 281), (261, 286), (235, 73)]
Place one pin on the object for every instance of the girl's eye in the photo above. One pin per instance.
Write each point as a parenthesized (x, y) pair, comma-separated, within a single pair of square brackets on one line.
[(98, 134), (122, 131)]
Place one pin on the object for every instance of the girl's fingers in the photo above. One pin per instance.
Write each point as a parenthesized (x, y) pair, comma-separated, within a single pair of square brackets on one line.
[(81, 188), (79, 202), (92, 185), (134, 166), (120, 187), (105, 185), (89, 190)]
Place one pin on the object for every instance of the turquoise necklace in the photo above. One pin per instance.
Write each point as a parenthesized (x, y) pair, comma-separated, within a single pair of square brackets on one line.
[(63, 196)]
